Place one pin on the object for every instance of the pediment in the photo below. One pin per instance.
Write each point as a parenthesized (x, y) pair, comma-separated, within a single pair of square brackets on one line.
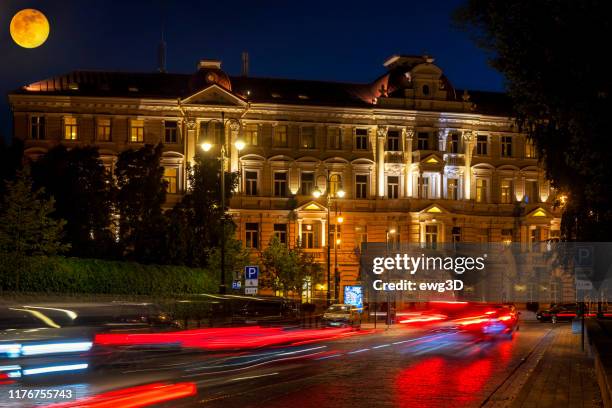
[(539, 213), (434, 209), (432, 159), (214, 95), (311, 206)]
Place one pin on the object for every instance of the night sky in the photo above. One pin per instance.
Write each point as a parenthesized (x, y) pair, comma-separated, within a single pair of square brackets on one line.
[(327, 40)]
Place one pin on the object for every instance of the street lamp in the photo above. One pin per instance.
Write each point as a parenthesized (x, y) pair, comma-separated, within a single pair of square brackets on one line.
[(339, 193), (390, 232), (206, 146), (339, 221)]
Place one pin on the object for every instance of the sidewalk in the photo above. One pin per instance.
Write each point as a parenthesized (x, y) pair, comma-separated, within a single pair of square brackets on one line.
[(556, 374)]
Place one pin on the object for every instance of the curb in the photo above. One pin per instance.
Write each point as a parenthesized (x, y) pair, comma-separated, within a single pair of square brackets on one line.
[(603, 378)]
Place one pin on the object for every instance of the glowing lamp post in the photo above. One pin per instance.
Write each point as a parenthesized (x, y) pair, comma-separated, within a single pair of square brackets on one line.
[(329, 195), (206, 146)]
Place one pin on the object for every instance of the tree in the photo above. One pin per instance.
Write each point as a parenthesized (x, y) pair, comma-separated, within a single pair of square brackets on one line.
[(26, 225), (552, 61), (78, 181), (286, 269), (199, 213), (11, 160), (140, 194)]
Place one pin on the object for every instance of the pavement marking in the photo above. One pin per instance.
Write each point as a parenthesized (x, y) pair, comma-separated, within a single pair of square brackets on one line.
[(358, 351), (252, 376)]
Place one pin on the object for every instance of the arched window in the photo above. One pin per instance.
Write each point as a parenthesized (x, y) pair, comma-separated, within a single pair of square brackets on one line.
[(425, 89), (335, 183)]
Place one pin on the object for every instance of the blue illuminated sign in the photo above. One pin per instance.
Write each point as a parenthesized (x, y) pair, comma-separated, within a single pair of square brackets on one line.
[(353, 295)]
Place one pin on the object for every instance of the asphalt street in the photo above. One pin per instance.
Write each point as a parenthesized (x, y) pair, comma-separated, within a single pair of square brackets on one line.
[(400, 367)]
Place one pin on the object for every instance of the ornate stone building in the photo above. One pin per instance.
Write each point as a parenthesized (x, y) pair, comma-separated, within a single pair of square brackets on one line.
[(418, 160)]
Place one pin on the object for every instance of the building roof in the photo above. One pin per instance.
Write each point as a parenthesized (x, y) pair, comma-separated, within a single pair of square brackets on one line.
[(260, 90)]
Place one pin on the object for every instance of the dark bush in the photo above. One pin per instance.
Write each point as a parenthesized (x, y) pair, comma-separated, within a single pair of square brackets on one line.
[(93, 276)]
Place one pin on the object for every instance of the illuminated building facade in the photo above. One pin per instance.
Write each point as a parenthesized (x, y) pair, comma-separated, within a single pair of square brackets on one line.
[(418, 160)]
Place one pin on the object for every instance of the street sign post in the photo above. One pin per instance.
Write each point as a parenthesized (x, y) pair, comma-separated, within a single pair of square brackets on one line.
[(236, 284), (251, 279)]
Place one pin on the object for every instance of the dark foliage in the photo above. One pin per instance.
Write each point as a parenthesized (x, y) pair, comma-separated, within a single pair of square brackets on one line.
[(552, 56), (140, 194), (81, 187)]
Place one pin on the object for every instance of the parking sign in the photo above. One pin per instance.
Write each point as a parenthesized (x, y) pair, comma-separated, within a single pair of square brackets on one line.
[(251, 272)]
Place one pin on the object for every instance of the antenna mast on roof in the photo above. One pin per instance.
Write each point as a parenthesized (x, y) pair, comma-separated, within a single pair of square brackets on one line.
[(161, 48), (245, 63)]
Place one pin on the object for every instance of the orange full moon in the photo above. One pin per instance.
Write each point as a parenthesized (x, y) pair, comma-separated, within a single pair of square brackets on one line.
[(29, 28)]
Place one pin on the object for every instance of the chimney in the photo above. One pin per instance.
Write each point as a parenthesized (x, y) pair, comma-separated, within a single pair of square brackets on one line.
[(209, 63), (245, 64)]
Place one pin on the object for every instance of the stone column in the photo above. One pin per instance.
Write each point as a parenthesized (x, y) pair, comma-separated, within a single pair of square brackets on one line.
[(468, 140), (299, 231), (234, 131), (190, 144), (323, 233), (442, 138), (381, 135), (408, 136)]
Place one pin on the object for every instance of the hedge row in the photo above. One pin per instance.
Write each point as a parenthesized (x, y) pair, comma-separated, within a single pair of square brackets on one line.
[(94, 276)]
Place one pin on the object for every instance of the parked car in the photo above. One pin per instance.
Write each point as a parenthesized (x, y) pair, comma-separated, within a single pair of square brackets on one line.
[(558, 313), (342, 315)]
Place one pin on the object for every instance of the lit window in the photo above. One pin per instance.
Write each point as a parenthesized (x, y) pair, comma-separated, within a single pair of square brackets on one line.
[(481, 190), (334, 137), (361, 186), (280, 184), (530, 149), (307, 183), (453, 145), (361, 235), (136, 130), (37, 128), (361, 139), (531, 191), (250, 134), (280, 136), (103, 132), (335, 183), (280, 232), (456, 232), (308, 236), (71, 129), (214, 132), (308, 137), (171, 131), (506, 146), (452, 189), (482, 143), (423, 141), (424, 187), (506, 191), (171, 178), (393, 141), (431, 236), (335, 238), (250, 181), (252, 235), (393, 187)]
